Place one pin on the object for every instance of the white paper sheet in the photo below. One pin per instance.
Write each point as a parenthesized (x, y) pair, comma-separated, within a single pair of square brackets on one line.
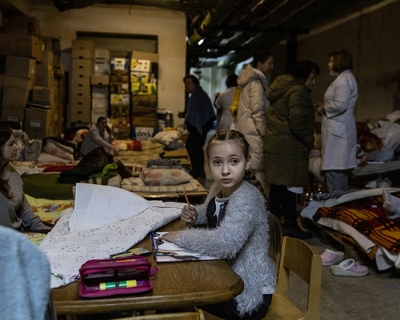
[(97, 206)]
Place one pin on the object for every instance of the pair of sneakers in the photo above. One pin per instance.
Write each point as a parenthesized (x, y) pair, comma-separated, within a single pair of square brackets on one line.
[(378, 183), (347, 267)]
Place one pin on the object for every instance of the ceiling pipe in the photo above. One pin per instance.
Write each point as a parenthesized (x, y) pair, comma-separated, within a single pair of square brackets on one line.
[(212, 19)]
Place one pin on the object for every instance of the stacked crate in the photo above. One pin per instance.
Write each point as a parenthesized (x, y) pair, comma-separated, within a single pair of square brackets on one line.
[(120, 101), (101, 85), (82, 71)]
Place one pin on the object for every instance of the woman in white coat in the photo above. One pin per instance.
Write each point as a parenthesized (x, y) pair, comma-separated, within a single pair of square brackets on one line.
[(253, 106), (338, 128)]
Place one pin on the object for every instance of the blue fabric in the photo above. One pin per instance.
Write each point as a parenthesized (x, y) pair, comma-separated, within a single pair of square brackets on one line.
[(199, 109)]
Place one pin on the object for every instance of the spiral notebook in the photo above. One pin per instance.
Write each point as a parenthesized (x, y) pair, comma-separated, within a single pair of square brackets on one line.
[(165, 251)]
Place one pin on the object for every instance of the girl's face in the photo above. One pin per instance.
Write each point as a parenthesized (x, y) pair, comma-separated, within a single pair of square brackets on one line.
[(9, 149), (266, 66), (228, 165)]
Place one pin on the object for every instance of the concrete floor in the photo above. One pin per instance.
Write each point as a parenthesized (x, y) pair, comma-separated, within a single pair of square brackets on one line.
[(375, 296)]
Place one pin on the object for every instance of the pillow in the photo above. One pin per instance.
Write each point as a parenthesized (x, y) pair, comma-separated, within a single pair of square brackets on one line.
[(47, 157), (167, 137), (59, 150), (164, 177)]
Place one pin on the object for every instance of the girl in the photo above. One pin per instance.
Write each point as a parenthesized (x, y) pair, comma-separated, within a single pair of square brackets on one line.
[(15, 211), (239, 227)]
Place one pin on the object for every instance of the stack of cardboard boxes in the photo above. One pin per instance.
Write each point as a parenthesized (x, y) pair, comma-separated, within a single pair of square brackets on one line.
[(100, 84), (120, 102), (29, 64), (143, 93), (82, 72)]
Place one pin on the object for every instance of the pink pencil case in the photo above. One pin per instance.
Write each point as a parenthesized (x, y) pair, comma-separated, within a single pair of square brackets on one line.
[(119, 276)]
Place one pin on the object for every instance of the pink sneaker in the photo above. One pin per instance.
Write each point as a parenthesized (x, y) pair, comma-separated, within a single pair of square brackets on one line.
[(330, 257), (349, 268)]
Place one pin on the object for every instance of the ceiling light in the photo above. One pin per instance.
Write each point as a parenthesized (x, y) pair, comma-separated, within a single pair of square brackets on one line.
[(200, 42)]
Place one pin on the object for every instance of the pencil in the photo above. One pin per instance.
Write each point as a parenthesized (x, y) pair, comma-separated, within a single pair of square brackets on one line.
[(187, 200)]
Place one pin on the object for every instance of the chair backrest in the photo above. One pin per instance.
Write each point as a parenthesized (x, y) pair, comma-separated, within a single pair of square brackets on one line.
[(171, 316), (298, 257)]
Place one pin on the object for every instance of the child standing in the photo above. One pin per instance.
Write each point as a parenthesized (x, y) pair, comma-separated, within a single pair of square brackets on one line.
[(240, 230)]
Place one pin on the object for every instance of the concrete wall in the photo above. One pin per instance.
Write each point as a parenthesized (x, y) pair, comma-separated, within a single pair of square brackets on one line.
[(169, 26), (372, 38)]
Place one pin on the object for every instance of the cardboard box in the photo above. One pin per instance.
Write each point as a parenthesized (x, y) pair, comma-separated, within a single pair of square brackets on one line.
[(119, 64), (83, 49), (144, 133), (52, 44), (143, 121), (143, 88), (20, 83), (102, 54), (22, 25), (21, 45), (47, 62), (22, 67), (44, 78), (140, 65), (100, 104), (119, 87), (82, 68), (97, 113), (101, 92), (144, 101), (77, 82), (120, 99), (36, 119), (140, 77), (81, 99), (120, 114), (12, 114), (153, 57), (100, 80), (102, 67), (121, 132), (43, 94), (80, 112)]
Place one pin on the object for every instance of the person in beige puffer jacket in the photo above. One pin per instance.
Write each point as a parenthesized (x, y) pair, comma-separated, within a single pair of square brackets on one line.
[(253, 106)]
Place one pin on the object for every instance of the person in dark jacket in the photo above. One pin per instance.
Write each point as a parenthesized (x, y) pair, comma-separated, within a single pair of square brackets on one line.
[(288, 140), (199, 118)]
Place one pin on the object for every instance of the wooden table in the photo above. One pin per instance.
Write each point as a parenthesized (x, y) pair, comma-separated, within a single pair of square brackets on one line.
[(177, 284)]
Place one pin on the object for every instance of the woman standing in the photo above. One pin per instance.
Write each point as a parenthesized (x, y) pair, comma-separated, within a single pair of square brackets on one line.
[(223, 102), (288, 140), (199, 118), (15, 211), (338, 128), (253, 106)]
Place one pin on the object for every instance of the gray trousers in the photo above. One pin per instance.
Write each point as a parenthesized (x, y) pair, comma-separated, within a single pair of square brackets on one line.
[(336, 180)]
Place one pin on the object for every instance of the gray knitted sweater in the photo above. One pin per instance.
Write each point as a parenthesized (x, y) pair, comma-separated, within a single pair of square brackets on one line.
[(242, 239), (17, 212)]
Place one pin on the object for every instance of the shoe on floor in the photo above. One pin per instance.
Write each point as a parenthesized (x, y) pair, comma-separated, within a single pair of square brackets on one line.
[(330, 257), (296, 232), (373, 184), (386, 183), (349, 268)]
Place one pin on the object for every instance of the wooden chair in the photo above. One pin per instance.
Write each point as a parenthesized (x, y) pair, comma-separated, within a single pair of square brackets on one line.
[(198, 315), (299, 258)]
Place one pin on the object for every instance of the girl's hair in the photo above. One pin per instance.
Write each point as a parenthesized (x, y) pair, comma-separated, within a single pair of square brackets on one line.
[(302, 69), (5, 135), (194, 79), (342, 60), (260, 55), (275, 229)]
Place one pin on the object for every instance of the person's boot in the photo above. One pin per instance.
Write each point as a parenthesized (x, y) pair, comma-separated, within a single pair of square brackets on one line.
[(294, 231)]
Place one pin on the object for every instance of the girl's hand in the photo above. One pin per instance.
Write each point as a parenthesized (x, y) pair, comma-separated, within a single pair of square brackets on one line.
[(189, 214), (170, 236)]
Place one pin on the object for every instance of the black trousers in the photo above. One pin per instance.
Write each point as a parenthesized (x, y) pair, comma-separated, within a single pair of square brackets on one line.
[(194, 147), (282, 203), (228, 310)]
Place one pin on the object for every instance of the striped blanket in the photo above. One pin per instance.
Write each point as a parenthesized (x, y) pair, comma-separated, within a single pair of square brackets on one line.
[(367, 216)]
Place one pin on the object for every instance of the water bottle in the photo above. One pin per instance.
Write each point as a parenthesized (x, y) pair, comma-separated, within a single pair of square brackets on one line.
[(169, 120), (308, 196), (320, 192)]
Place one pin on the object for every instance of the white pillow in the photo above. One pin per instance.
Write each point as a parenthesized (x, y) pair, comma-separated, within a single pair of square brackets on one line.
[(59, 150), (164, 177)]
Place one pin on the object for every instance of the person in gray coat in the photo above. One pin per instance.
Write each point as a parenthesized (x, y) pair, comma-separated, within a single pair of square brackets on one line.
[(240, 230), (338, 127)]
